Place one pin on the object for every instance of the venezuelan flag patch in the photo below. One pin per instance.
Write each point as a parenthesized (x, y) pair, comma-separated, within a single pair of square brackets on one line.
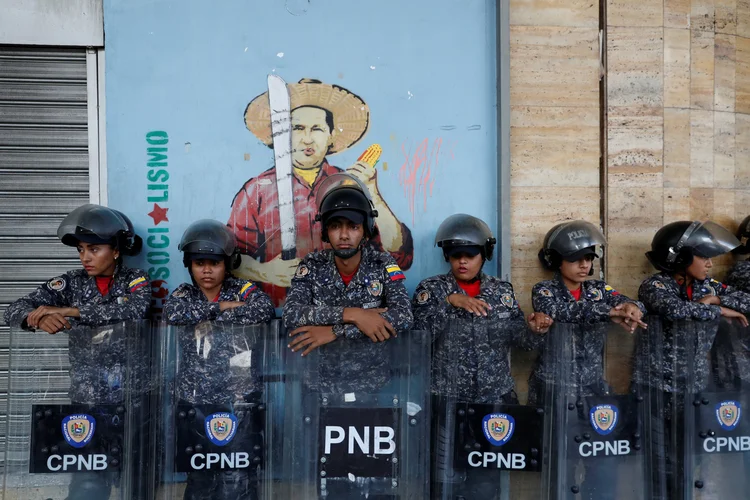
[(247, 289), (137, 283), (395, 273), (611, 290)]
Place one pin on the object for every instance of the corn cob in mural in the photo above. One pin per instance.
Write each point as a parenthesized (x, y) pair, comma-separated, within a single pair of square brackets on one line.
[(371, 156)]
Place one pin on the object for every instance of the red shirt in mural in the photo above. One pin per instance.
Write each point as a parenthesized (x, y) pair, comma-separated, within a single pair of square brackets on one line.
[(255, 223)]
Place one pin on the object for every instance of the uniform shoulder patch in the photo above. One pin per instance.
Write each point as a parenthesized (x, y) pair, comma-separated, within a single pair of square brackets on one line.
[(302, 270), (658, 284), (376, 288), (394, 272), (611, 290), (545, 292), (57, 284), (247, 289), (423, 297), (507, 300), (596, 294), (180, 291), (137, 284)]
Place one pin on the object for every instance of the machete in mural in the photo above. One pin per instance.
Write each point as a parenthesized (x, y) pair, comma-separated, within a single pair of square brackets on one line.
[(325, 120)]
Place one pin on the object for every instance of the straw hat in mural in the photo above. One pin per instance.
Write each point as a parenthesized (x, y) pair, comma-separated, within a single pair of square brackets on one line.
[(351, 115)]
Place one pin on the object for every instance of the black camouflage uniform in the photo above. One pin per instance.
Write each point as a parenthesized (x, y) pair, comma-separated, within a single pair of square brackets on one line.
[(129, 299), (481, 371), (591, 315), (219, 361), (673, 353), (318, 296), (208, 365)]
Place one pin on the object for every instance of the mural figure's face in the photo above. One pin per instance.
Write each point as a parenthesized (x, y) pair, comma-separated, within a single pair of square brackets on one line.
[(98, 260), (311, 137)]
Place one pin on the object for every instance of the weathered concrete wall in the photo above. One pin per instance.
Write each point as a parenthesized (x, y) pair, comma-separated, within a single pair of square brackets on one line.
[(678, 123), (555, 127)]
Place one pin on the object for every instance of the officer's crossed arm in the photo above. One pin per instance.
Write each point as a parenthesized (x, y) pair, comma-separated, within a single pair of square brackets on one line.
[(563, 311), (661, 301), (47, 300), (731, 297), (254, 307), (182, 309)]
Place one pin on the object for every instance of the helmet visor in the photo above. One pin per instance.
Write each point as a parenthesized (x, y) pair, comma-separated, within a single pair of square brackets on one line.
[(711, 240)]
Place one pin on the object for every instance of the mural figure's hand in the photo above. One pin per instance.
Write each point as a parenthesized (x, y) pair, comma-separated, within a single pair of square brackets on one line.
[(367, 174), (277, 272)]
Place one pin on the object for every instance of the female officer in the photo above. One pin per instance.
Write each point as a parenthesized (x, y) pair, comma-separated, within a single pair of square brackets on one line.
[(588, 307), (104, 292), (682, 290), (474, 319), (206, 385)]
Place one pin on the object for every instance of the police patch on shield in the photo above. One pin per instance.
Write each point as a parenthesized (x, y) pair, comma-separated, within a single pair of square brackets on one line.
[(57, 284), (603, 418), (728, 414), (220, 428), (498, 428), (78, 429), (376, 288)]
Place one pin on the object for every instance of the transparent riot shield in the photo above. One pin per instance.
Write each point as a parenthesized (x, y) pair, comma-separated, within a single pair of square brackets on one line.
[(215, 420), (594, 413), (485, 444), (716, 431), (356, 422), (78, 408)]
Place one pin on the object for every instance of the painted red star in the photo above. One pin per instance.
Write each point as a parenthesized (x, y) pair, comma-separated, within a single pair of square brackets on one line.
[(158, 214)]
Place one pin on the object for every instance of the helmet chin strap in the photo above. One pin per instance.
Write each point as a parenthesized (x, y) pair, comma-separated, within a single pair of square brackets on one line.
[(350, 252)]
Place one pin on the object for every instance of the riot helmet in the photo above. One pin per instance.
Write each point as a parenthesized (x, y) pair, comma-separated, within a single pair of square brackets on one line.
[(343, 195), (743, 234), (209, 239), (99, 225), (462, 233), (571, 241), (675, 245)]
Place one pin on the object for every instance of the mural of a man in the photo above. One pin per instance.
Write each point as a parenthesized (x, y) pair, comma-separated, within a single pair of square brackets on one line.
[(326, 119)]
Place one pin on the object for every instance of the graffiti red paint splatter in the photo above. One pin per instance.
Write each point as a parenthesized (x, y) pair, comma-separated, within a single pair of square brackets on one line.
[(418, 172)]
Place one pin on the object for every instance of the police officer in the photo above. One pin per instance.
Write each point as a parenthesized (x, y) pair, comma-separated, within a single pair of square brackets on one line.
[(210, 254), (739, 276), (474, 319), (682, 290), (349, 293), (104, 292), (589, 307), (569, 250)]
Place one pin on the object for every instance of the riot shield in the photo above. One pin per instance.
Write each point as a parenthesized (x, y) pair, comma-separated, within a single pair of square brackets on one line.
[(716, 433), (213, 430), (594, 413), (485, 444), (78, 413), (356, 423)]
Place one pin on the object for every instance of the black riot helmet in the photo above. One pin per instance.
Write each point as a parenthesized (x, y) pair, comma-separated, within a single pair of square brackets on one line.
[(465, 233), (675, 244), (743, 234), (209, 239), (99, 225), (343, 195), (571, 241)]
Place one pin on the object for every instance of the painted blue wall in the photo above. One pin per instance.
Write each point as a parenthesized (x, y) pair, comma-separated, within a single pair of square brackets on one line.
[(189, 67)]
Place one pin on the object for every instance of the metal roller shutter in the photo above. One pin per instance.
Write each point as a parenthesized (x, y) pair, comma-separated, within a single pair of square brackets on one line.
[(44, 173)]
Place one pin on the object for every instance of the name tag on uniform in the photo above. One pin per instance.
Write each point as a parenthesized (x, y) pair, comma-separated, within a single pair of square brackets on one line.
[(371, 305)]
